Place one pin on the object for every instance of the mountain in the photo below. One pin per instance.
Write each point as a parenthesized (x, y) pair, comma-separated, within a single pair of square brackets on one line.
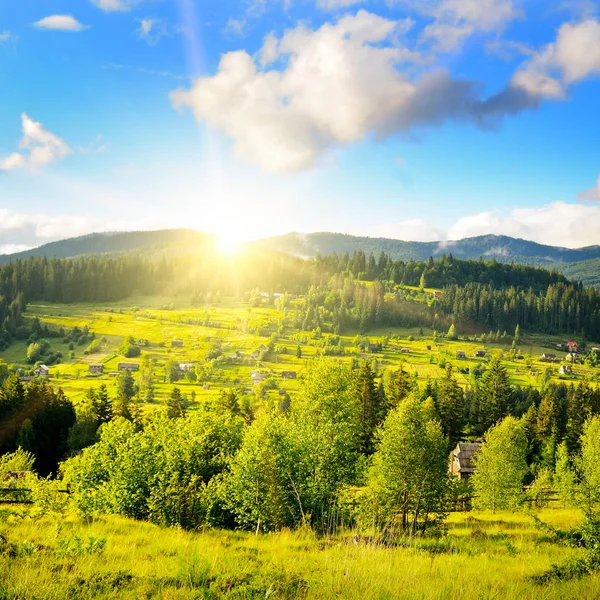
[(500, 247), (582, 264), (112, 243)]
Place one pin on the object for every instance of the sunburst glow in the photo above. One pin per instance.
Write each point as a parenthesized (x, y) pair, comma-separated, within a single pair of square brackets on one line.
[(228, 244)]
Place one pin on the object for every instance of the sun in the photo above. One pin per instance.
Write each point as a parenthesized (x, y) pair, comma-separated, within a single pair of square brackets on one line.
[(228, 244)]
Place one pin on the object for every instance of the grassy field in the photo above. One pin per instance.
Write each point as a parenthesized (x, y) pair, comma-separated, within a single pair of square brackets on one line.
[(160, 320), (478, 555)]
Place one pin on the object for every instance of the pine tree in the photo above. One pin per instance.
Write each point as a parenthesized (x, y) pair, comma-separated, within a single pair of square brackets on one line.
[(176, 404), (371, 410), (451, 406), (494, 395), (102, 405), (228, 403)]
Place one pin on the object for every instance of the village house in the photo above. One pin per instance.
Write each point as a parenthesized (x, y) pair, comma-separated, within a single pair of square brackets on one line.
[(480, 353), (428, 348), (206, 387), (547, 356), (185, 367), (124, 366), (461, 460), (374, 348), (96, 369), (236, 355), (289, 374), (257, 376), (113, 374), (255, 354), (282, 393), (437, 294), (461, 354), (565, 369), (42, 371), (571, 346), (177, 344), (262, 348), (405, 350)]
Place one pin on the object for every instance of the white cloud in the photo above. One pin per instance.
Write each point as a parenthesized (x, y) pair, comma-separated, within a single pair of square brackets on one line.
[(96, 147), (591, 195), (20, 231), (557, 224), (578, 50), (61, 23), (7, 37), (38, 147), (337, 4), (152, 30), (456, 20), (574, 56), (116, 5), (339, 84)]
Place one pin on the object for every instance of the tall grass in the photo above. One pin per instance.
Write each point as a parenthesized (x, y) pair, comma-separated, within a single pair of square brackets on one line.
[(478, 555)]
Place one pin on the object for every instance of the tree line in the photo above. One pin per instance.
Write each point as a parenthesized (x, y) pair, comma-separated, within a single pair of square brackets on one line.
[(353, 447)]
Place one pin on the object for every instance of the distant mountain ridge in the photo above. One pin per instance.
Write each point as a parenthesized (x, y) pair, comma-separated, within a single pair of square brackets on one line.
[(582, 264), (500, 247)]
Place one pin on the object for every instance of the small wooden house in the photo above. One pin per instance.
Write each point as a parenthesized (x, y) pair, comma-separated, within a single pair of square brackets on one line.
[(461, 354), (42, 371), (461, 460), (96, 369), (125, 366), (572, 346), (185, 367), (480, 353), (262, 348), (405, 350), (547, 356), (289, 374), (565, 369), (177, 344)]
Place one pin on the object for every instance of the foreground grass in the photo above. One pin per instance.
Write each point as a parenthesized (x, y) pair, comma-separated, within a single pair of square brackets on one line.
[(479, 556)]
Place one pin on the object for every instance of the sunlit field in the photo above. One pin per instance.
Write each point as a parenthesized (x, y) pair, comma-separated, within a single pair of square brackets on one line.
[(160, 320), (477, 555)]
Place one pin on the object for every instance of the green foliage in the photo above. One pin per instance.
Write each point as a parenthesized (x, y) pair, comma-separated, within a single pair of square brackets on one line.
[(500, 466), (161, 473), (588, 468), (408, 482)]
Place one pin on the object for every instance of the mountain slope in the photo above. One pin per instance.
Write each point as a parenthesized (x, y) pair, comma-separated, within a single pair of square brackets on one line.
[(116, 243)]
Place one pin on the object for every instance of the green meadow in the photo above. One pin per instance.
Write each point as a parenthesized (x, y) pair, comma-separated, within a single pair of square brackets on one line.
[(476, 555), (160, 320)]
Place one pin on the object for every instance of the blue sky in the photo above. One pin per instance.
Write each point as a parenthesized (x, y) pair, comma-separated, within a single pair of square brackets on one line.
[(428, 119)]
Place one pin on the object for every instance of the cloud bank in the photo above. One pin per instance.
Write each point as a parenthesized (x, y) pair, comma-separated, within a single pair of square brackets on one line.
[(556, 224)]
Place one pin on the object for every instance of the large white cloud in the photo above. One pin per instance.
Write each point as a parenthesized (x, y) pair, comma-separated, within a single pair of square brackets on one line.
[(60, 23), (312, 90), (38, 147)]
